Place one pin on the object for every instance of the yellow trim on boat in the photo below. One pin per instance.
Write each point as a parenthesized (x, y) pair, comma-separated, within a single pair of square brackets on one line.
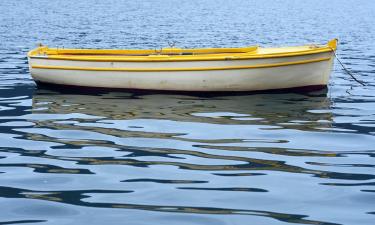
[(163, 51), (175, 54), (181, 69), (138, 52)]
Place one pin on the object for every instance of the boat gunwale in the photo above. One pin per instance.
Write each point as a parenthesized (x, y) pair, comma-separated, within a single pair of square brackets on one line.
[(183, 58), (329, 47)]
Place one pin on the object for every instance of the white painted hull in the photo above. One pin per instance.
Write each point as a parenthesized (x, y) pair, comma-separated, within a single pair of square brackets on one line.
[(235, 75)]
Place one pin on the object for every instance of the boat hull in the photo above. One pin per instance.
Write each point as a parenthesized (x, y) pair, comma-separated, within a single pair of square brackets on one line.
[(230, 75), (198, 70)]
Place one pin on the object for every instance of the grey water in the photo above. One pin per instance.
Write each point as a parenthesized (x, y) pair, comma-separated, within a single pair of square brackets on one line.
[(144, 159)]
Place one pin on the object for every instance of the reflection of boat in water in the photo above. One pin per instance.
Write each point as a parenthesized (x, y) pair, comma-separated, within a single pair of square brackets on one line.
[(148, 124), (173, 69), (163, 124), (266, 109)]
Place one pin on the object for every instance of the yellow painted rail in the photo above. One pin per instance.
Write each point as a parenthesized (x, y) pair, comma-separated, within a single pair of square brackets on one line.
[(175, 54), (181, 69)]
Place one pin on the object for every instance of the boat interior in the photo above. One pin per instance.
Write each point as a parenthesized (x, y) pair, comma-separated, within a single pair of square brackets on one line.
[(178, 53)]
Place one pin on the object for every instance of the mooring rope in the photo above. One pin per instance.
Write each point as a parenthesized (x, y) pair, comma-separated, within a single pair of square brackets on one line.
[(347, 70)]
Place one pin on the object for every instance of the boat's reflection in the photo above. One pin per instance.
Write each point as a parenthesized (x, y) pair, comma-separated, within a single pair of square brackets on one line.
[(283, 109), (222, 122)]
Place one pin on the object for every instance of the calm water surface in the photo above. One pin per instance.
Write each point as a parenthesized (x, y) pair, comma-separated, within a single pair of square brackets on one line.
[(144, 159)]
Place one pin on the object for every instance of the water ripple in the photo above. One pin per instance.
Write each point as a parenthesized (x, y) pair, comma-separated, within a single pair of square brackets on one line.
[(102, 157)]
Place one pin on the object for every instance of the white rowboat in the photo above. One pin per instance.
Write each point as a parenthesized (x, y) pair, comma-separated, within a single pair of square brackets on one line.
[(174, 69)]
